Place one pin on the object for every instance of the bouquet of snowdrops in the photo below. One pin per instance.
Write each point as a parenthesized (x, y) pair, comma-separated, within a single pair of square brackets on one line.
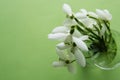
[(85, 37)]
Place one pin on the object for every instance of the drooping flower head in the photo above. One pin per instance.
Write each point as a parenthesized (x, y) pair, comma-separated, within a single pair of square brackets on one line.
[(67, 9)]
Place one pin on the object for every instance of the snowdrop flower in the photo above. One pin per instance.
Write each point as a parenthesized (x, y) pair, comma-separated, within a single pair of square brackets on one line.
[(80, 45), (66, 43), (65, 60), (67, 9), (84, 11), (80, 57), (57, 36), (83, 32), (104, 14), (59, 33), (60, 29), (69, 66), (88, 22), (79, 41), (83, 17), (92, 14), (80, 15)]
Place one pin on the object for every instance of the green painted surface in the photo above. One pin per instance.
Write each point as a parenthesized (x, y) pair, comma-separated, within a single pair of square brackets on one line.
[(25, 51)]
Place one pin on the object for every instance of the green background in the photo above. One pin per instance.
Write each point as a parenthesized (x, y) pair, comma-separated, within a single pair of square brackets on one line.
[(25, 51)]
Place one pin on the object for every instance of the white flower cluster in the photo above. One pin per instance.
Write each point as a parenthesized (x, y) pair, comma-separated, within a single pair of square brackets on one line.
[(76, 30)]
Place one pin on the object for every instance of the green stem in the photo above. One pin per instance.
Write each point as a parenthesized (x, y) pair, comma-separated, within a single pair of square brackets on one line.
[(89, 30)]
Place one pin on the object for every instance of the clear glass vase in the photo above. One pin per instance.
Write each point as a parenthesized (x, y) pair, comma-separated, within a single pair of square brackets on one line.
[(111, 58)]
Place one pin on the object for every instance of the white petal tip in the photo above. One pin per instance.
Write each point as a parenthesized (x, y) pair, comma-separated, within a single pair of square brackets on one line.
[(57, 64), (71, 68), (67, 9), (57, 36)]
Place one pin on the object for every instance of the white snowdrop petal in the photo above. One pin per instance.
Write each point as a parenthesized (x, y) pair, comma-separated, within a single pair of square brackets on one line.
[(80, 15), (61, 46), (83, 38), (107, 14), (68, 40), (70, 54), (87, 22), (57, 36), (61, 54), (108, 17), (93, 14), (58, 64), (104, 14), (71, 68), (69, 22), (80, 57), (67, 9), (60, 29), (80, 44), (84, 11), (100, 13), (76, 33), (106, 11)]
